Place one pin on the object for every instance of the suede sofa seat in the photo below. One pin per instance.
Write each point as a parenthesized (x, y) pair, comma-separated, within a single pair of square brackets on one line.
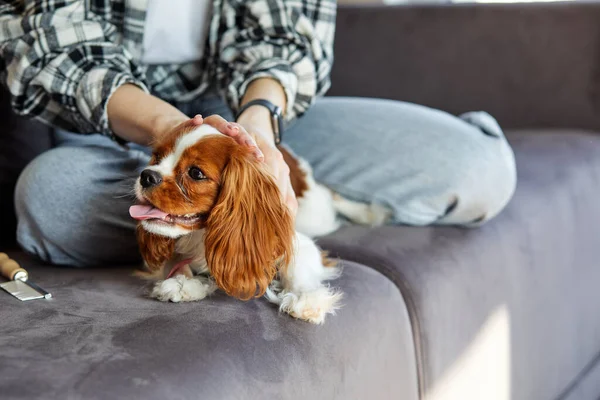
[(101, 338)]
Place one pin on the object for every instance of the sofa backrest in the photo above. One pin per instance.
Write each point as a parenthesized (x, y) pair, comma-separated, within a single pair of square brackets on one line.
[(530, 65)]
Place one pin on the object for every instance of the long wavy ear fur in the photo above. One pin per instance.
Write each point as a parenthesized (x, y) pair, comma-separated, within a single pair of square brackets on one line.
[(249, 232), (156, 251)]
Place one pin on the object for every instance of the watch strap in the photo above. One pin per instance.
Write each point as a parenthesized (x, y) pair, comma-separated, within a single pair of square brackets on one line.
[(276, 115)]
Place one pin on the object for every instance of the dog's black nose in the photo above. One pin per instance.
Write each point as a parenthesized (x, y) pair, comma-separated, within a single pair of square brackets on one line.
[(149, 178)]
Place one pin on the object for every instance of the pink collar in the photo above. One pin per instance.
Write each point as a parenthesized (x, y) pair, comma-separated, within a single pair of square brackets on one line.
[(178, 266)]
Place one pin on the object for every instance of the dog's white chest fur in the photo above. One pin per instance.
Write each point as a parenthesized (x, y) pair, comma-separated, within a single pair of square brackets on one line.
[(192, 246)]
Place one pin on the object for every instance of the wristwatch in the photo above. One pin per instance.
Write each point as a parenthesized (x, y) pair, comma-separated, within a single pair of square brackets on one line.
[(276, 115)]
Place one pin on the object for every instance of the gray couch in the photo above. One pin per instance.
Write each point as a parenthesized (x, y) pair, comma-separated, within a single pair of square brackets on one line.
[(506, 311)]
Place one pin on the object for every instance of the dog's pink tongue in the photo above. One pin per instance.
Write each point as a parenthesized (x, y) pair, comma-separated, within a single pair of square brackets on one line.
[(146, 212)]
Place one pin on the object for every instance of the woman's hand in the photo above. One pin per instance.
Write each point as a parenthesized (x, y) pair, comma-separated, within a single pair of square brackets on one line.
[(262, 142), (276, 163), (236, 132), (166, 124)]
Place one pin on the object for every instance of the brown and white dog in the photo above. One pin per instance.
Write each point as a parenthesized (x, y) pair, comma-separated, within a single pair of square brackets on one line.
[(211, 216)]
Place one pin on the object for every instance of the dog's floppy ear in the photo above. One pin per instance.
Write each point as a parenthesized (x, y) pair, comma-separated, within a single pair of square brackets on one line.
[(155, 250), (249, 231)]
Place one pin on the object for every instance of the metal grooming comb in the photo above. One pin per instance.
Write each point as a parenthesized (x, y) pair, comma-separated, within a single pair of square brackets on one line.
[(18, 284)]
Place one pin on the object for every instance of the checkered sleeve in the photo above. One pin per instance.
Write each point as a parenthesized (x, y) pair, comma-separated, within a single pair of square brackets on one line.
[(61, 67), (290, 41)]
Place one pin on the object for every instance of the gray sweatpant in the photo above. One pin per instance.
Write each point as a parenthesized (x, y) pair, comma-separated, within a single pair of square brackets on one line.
[(427, 166)]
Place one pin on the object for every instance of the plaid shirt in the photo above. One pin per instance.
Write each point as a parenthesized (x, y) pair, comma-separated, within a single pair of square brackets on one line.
[(62, 59)]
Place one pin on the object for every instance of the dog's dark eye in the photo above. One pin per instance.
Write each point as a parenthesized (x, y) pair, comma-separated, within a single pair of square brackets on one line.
[(196, 174)]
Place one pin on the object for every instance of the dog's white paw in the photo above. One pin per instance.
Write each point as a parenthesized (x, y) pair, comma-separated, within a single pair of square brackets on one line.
[(310, 306), (181, 288)]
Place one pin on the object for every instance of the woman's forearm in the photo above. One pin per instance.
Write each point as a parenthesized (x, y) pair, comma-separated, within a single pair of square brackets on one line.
[(138, 117)]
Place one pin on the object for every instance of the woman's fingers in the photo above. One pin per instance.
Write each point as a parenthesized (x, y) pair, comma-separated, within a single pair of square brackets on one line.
[(197, 120), (281, 172), (216, 121), (290, 200), (235, 131)]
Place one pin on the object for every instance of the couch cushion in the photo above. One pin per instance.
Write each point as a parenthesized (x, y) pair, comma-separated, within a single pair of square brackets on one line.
[(509, 310), (100, 338)]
